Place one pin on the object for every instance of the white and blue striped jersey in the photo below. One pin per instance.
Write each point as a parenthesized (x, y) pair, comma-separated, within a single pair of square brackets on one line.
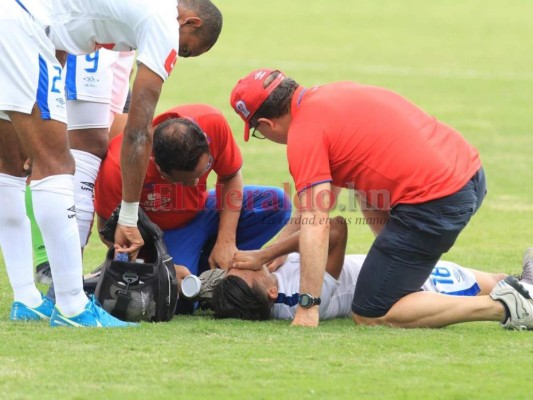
[(82, 27), (337, 295)]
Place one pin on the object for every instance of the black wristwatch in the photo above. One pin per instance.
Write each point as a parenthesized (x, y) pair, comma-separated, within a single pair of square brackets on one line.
[(306, 300)]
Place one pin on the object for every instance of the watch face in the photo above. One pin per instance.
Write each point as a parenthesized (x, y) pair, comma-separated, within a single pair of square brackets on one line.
[(305, 300)]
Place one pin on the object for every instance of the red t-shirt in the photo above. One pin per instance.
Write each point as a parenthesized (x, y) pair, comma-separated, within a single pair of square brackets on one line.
[(376, 142), (171, 205)]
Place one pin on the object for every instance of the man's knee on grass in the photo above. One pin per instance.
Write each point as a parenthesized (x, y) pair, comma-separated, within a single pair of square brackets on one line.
[(360, 320)]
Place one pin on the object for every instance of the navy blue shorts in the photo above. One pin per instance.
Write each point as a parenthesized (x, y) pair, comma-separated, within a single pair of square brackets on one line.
[(413, 240)]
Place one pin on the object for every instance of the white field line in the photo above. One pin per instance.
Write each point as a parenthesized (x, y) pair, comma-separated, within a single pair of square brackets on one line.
[(521, 207), (389, 70)]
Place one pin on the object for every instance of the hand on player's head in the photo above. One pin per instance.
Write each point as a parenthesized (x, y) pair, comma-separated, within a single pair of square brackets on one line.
[(248, 260)]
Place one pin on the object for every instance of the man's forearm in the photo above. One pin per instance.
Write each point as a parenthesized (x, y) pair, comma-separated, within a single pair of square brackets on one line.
[(313, 246), (137, 141), (230, 209), (135, 153), (281, 247), (314, 237)]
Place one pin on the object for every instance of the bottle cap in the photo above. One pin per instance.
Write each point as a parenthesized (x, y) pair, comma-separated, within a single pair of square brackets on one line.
[(190, 286), (121, 257)]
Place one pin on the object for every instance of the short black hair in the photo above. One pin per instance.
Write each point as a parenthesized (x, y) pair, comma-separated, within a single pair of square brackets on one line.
[(178, 145), (211, 19), (279, 101), (233, 298)]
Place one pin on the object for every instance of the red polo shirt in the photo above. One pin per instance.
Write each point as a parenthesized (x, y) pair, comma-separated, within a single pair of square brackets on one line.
[(376, 142), (167, 204)]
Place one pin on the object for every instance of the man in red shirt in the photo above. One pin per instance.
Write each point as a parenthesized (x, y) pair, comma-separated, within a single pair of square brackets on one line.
[(418, 175), (190, 141)]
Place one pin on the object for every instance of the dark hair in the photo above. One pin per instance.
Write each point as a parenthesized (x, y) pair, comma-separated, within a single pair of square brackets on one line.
[(211, 20), (233, 298), (279, 101), (178, 145)]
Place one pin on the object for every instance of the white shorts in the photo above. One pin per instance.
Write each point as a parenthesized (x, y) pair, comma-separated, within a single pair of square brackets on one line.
[(29, 71), (100, 77), (452, 279)]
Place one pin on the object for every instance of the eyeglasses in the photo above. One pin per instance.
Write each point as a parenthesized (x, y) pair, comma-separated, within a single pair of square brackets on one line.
[(255, 133), (187, 178), (209, 163)]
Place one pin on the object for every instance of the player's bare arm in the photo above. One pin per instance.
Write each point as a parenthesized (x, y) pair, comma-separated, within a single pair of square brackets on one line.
[(338, 238), (255, 259), (291, 228), (135, 153)]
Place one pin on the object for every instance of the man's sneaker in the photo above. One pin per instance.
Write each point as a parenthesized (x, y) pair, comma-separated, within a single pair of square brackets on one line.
[(527, 267), (21, 312), (43, 273), (93, 315), (517, 301)]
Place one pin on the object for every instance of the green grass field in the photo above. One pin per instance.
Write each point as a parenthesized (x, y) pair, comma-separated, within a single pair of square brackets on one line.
[(467, 62)]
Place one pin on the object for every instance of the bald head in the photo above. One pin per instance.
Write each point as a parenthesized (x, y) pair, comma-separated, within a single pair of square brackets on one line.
[(178, 145)]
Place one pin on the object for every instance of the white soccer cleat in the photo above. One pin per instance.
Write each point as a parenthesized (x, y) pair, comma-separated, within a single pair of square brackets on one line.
[(518, 303)]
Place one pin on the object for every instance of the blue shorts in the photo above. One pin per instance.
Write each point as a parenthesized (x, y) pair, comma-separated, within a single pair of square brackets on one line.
[(264, 212), (413, 240)]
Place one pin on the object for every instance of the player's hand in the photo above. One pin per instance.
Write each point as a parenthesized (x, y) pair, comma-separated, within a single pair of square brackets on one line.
[(251, 260), (128, 239), (276, 263), (181, 271), (222, 255), (306, 317)]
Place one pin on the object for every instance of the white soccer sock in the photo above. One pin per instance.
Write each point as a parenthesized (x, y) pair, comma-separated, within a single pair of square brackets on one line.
[(87, 166), (53, 206), (15, 240)]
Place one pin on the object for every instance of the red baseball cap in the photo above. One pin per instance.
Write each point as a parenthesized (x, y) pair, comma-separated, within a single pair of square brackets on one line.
[(249, 94)]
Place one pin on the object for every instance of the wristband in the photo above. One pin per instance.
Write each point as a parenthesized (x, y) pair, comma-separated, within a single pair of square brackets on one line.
[(129, 214)]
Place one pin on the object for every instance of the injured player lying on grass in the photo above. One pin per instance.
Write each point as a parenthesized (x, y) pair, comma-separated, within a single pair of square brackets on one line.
[(264, 294)]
